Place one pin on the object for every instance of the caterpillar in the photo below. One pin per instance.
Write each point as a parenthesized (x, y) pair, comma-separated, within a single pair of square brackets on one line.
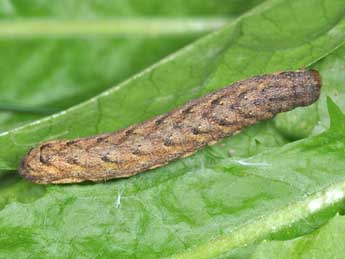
[(173, 135)]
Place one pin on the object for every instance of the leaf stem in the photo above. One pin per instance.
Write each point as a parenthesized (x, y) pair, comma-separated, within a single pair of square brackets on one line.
[(110, 27), (265, 225)]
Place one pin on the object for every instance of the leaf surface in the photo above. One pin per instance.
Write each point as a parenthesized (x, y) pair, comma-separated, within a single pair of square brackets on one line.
[(327, 242), (238, 51), (55, 55)]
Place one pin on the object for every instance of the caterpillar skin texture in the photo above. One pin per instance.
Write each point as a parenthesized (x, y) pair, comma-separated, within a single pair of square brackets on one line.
[(173, 135)]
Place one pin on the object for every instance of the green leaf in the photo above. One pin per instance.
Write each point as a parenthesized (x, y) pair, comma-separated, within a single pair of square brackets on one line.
[(55, 55), (327, 242), (239, 50), (299, 123), (336, 116), (302, 189), (208, 204)]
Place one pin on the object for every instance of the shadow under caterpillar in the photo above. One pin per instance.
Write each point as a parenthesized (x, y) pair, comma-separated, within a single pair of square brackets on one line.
[(173, 135)]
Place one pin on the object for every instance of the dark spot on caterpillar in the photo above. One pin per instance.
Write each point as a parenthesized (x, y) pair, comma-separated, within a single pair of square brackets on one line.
[(258, 102), (275, 110), (271, 88), (43, 160), (129, 132), (279, 98), (233, 106), (204, 115), (176, 126), (72, 160), (29, 166), (248, 114), (218, 101), (289, 74), (223, 122), (245, 111), (160, 120), (195, 131), (188, 109), (215, 101), (107, 159), (44, 146), (71, 142), (101, 139), (243, 95), (168, 142), (136, 152)]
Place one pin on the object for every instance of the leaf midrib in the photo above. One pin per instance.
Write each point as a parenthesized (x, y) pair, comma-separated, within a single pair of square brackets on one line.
[(109, 27), (260, 227)]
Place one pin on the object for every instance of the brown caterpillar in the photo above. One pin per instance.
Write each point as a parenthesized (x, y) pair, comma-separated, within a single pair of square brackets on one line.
[(173, 135)]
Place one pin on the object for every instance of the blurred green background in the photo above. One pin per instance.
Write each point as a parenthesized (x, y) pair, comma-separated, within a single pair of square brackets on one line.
[(55, 54)]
